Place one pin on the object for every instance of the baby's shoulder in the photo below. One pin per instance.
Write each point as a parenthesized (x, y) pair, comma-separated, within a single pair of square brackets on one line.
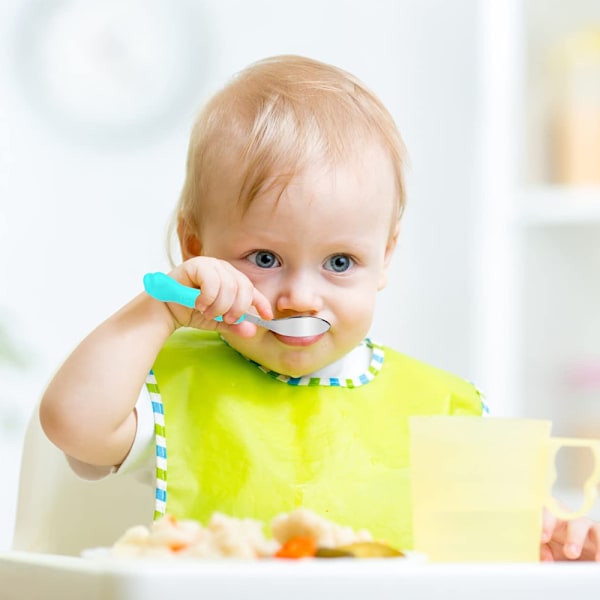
[(420, 374), (187, 345)]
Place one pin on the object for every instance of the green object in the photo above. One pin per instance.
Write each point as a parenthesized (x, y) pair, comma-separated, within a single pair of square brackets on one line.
[(250, 444)]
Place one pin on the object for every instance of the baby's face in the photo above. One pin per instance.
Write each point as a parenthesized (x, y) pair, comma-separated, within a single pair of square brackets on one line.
[(321, 249)]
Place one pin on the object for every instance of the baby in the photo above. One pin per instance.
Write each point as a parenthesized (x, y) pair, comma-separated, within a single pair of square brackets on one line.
[(291, 206)]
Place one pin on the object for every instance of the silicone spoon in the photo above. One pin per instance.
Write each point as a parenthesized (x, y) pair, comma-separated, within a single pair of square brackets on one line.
[(166, 289)]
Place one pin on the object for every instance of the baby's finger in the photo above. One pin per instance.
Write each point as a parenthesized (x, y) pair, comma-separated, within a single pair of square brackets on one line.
[(243, 329), (548, 525), (226, 293), (229, 303), (594, 539), (208, 280), (591, 545), (242, 293), (262, 304), (200, 321), (546, 553), (576, 534)]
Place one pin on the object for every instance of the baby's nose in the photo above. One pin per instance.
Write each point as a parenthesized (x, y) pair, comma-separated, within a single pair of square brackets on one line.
[(300, 294)]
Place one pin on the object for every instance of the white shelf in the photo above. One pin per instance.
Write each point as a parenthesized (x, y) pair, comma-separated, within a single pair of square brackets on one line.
[(558, 205), (537, 294)]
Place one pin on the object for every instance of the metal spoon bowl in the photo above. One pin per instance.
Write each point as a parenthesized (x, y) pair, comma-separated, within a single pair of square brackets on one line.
[(166, 289)]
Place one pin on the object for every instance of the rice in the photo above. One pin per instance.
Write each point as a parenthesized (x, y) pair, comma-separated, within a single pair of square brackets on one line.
[(230, 537)]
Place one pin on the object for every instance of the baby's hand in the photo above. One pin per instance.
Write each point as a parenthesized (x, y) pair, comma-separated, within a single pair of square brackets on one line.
[(578, 539), (226, 292)]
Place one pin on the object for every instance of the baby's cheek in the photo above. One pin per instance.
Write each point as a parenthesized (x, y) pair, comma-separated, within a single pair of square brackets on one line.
[(356, 319), (359, 307)]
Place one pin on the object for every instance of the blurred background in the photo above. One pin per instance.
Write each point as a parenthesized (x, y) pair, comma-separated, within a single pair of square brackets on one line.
[(496, 277)]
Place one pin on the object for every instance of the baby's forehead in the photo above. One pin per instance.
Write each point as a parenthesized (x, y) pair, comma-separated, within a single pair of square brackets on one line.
[(319, 193), (365, 178), (364, 166)]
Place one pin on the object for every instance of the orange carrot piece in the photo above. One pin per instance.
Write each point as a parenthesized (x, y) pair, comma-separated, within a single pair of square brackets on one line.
[(177, 546), (298, 547)]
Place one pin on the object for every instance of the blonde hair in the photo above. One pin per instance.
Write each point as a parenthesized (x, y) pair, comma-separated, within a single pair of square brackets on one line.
[(271, 120)]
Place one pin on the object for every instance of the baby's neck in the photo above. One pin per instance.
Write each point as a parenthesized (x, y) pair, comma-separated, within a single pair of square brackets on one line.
[(350, 365)]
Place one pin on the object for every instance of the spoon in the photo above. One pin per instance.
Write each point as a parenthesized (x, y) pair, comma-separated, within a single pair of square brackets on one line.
[(166, 289)]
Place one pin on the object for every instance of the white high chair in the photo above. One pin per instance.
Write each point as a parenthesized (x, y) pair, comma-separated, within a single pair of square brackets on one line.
[(59, 513)]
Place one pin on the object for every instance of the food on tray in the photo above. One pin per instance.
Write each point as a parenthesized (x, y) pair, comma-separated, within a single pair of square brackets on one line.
[(298, 534), (223, 536), (360, 550)]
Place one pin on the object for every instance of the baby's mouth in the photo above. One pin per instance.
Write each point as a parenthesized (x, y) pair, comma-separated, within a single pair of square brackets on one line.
[(298, 341)]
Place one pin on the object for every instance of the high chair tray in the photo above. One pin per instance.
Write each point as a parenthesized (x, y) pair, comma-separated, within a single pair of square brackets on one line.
[(43, 576)]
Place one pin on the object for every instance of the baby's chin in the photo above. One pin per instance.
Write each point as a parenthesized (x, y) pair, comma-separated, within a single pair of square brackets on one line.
[(299, 364), (291, 361), (290, 367)]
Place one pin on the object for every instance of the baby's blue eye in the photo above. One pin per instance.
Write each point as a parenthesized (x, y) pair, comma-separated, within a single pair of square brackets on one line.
[(264, 259), (338, 263)]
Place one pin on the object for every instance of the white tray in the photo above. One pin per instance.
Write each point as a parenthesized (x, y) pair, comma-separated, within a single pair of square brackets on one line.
[(26, 576)]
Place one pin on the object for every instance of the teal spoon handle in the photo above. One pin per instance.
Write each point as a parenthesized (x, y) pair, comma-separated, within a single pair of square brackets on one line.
[(166, 289)]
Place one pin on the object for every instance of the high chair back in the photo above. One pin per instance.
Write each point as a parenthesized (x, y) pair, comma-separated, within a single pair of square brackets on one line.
[(59, 513)]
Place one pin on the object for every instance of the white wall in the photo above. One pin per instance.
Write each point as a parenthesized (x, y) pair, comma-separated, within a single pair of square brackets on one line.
[(83, 214)]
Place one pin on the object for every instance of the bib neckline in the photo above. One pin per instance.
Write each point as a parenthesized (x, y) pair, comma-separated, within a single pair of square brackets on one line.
[(375, 365)]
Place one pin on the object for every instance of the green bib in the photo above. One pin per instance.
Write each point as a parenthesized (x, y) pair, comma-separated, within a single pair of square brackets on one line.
[(249, 443)]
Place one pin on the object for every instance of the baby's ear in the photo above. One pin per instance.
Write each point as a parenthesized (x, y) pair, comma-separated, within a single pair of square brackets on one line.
[(189, 243), (389, 253)]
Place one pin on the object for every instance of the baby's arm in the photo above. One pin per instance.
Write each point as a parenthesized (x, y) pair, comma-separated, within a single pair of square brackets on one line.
[(87, 409)]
